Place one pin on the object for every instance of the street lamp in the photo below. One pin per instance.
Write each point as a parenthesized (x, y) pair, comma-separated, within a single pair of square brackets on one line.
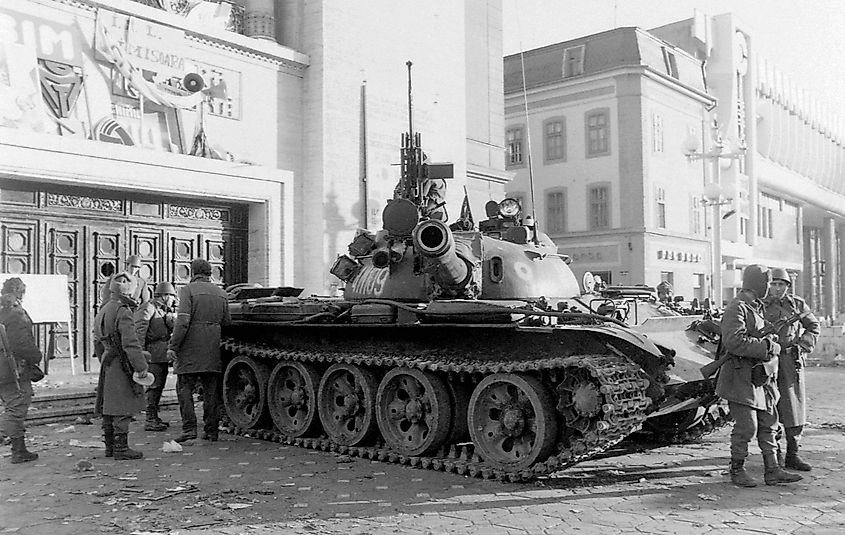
[(714, 195)]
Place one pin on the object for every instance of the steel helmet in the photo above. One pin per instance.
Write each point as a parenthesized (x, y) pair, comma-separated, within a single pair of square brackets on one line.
[(122, 283), (756, 278), (133, 261), (165, 288), (781, 274)]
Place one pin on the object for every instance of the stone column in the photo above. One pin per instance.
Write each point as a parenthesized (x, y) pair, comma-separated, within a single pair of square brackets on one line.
[(260, 19), (831, 267)]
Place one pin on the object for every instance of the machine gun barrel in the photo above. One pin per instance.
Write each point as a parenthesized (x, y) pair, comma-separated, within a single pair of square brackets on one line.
[(434, 240), (708, 370)]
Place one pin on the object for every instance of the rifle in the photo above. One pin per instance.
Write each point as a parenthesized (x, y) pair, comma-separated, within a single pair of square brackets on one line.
[(708, 370)]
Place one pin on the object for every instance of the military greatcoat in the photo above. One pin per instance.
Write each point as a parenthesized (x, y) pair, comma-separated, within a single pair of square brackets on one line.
[(21, 340), (114, 328), (203, 310), (741, 325), (795, 341)]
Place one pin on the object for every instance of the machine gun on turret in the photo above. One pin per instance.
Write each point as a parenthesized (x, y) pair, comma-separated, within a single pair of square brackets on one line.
[(421, 182)]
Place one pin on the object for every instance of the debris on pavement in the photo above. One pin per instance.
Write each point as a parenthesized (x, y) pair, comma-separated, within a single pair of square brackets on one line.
[(83, 466)]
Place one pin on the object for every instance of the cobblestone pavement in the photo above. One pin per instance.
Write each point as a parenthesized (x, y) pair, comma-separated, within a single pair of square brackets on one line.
[(245, 486)]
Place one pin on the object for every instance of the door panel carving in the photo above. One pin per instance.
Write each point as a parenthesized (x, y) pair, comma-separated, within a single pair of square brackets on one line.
[(183, 249), (147, 245), (64, 250), (19, 247)]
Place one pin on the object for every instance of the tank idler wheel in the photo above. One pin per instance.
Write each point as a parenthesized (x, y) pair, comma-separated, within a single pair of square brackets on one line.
[(292, 398), (245, 392), (346, 403), (414, 411), (579, 400), (512, 420)]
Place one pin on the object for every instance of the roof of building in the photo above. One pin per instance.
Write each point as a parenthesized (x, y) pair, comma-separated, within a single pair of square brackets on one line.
[(604, 52)]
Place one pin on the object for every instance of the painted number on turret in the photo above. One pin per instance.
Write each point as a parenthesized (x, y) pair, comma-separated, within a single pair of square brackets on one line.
[(370, 280)]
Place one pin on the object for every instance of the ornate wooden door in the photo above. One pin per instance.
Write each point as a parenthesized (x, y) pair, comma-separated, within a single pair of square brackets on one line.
[(65, 256), (18, 246), (182, 248), (147, 245)]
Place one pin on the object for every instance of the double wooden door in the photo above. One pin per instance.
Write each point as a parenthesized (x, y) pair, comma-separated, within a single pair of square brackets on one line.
[(88, 252)]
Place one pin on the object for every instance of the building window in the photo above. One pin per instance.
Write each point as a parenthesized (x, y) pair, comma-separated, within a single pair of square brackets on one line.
[(668, 276), (573, 61), (555, 140), (556, 211), (657, 132), (598, 132), (793, 210), (696, 215), (660, 198), (602, 278), (743, 226), (599, 207), (513, 139), (671, 62), (764, 215)]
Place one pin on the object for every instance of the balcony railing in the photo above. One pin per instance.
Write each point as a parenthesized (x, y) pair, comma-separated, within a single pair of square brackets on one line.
[(181, 7)]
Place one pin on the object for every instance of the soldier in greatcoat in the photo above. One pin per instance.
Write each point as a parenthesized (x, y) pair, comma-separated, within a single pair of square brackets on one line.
[(118, 396), (195, 349), (154, 322), (19, 357), (795, 341), (748, 381)]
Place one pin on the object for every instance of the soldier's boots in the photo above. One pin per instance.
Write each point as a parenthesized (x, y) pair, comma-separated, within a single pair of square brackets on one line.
[(794, 462), (186, 436), (211, 437), (774, 474), (108, 438), (19, 452), (122, 451), (154, 423), (739, 476)]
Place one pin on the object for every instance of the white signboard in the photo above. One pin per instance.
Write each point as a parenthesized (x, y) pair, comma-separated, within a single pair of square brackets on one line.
[(46, 299)]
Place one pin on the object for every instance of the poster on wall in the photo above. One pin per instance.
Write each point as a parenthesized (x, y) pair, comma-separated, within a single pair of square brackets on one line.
[(21, 105), (222, 89)]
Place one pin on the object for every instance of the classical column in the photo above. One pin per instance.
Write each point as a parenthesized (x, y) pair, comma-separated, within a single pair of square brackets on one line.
[(831, 267), (260, 19)]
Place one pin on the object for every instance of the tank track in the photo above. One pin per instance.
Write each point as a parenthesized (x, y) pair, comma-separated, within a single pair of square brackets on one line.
[(717, 415), (619, 381)]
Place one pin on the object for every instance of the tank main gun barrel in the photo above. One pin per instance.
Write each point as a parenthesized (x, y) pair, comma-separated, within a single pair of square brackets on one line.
[(435, 241)]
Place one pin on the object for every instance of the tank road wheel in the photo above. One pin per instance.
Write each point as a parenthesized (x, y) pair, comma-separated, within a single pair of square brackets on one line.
[(579, 399), (512, 420), (245, 392), (292, 398), (414, 411), (346, 402)]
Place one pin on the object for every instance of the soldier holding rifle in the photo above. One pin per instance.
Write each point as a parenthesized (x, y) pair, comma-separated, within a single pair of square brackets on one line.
[(748, 380), (795, 341)]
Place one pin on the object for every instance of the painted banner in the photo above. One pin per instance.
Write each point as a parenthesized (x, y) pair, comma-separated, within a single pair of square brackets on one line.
[(222, 89), (21, 105), (56, 38)]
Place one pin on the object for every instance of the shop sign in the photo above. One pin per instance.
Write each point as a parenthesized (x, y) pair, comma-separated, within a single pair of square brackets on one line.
[(54, 40), (678, 256)]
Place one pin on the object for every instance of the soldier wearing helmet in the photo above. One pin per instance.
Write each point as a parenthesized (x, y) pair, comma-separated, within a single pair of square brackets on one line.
[(796, 340), (195, 349), (748, 380), (121, 356), (154, 322), (19, 358), (140, 293)]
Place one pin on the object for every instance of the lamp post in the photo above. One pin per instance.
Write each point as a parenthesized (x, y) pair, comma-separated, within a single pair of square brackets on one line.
[(714, 196)]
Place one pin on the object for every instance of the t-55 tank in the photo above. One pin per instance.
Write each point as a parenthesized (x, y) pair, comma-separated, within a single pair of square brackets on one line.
[(453, 348)]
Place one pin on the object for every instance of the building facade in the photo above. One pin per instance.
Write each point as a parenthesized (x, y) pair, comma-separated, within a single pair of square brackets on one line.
[(775, 158), (111, 146), (605, 115)]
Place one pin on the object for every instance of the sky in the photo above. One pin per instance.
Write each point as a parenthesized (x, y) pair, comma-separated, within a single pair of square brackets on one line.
[(804, 39)]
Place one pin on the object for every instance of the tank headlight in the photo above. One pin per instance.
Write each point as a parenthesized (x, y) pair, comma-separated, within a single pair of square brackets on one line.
[(509, 208)]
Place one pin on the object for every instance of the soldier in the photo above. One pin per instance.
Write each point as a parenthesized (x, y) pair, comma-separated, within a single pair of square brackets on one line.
[(118, 396), (748, 380), (195, 350), (795, 341), (19, 358), (154, 322), (140, 292)]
